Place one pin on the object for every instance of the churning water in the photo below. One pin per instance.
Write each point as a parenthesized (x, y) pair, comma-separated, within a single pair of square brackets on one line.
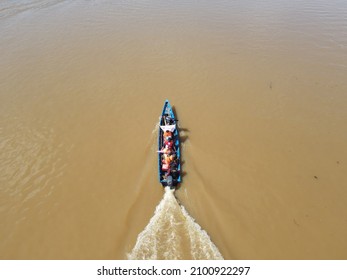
[(173, 234)]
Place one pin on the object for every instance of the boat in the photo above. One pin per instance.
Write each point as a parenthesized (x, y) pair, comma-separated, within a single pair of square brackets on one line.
[(169, 146)]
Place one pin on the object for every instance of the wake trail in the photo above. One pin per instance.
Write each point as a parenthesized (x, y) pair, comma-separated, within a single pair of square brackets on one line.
[(172, 234)]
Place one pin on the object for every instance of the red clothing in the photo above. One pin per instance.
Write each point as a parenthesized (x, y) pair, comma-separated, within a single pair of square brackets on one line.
[(168, 143)]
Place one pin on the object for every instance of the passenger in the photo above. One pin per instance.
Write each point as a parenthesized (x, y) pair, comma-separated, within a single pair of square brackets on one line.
[(167, 157), (169, 142), (168, 120), (170, 165), (165, 167), (167, 173), (173, 161), (174, 166), (166, 161), (170, 159), (174, 171), (166, 149), (167, 133)]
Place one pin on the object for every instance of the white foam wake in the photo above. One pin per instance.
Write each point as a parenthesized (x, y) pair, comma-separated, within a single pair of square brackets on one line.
[(172, 234)]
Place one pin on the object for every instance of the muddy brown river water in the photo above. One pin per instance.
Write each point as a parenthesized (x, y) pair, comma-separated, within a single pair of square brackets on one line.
[(260, 91)]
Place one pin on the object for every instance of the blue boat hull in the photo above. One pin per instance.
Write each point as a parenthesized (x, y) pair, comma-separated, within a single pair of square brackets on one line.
[(175, 178)]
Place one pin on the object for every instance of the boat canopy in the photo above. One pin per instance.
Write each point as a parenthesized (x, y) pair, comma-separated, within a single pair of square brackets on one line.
[(168, 127)]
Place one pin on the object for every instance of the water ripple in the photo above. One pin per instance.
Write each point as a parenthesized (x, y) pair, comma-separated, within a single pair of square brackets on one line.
[(30, 163), (11, 8)]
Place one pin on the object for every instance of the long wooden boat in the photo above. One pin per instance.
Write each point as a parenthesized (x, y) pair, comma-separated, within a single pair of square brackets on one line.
[(169, 153)]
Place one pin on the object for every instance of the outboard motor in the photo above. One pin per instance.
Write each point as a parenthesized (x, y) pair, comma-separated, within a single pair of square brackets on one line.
[(169, 181)]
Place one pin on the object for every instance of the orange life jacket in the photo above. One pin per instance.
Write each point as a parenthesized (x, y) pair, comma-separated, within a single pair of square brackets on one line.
[(167, 134), (168, 159)]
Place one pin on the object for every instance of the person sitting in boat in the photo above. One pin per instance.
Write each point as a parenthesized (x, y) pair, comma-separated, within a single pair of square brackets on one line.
[(173, 163), (168, 157), (169, 142), (168, 120), (167, 134), (166, 162), (166, 150), (170, 165)]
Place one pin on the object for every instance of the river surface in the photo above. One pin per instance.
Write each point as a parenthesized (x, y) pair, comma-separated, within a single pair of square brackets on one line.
[(260, 91)]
